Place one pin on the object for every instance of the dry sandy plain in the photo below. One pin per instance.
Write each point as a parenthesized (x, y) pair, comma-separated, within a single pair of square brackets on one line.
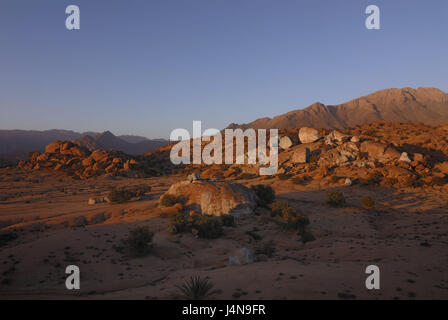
[(406, 236)]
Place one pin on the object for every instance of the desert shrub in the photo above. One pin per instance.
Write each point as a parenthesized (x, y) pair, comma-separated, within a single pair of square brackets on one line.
[(283, 176), (253, 234), (390, 181), (142, 189), (301, 180), (277, 208), (437, 181), (267, 248), (169, 200), (138, 241), (219, 176), (373, 179), (7, 236), (196, 288), (335, 179), (367, 202), (413, 182), (265, 194), (335, 199), (288, 217), (228, 220), (179, 222), (247, 176), (208, 227), (120, 196), (307, 236)]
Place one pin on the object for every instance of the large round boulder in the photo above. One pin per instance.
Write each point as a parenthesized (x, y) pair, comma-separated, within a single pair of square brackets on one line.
[(309, 135), (214, 197)]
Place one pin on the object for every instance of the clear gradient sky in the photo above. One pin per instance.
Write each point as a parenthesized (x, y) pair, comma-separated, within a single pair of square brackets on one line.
[(148, 66)]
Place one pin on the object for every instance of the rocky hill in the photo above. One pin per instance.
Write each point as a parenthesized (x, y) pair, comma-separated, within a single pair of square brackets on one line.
[(425, 105), (15, 145)]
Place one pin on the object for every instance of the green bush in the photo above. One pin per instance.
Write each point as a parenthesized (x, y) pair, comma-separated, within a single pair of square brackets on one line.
[(265, 194), (335, 199), (367, 202), (138, 241), (168, 200), (120, 196)]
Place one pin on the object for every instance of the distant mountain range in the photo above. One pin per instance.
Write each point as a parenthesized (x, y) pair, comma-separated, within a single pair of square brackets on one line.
[(425, 105), (15, 145)]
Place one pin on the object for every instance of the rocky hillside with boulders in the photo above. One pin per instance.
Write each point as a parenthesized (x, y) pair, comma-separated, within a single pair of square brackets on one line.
[(392, 154), (80, 162)]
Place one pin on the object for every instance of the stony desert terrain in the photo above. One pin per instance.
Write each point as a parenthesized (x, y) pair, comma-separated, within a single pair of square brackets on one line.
[(47, 223)]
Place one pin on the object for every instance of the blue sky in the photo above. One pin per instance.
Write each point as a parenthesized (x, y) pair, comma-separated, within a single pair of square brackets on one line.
[(148, 66)]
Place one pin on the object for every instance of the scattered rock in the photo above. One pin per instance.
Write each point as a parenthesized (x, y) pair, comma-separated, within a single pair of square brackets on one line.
[(348, 182), (79, 221), (285, 142), (301, 155), (241, 256), (405, 158), (194, 176)]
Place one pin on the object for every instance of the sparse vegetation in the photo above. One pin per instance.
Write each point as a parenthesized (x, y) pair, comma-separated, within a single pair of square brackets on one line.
[(196, 288), (267, 248), (367, 202), (138, 241), (307, 236), (170, 200), (7, 236), (228, 220), (437, 181), (283, 176), (336, 199), (265, 194), (302, 180), (206, 226), (120, 196), (288, 217)]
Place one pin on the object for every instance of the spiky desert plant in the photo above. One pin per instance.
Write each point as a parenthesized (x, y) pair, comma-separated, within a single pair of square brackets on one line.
[(196, 288)]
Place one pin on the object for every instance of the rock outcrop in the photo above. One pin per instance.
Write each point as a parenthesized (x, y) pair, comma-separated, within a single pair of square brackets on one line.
[(214, 197), (309, 135)]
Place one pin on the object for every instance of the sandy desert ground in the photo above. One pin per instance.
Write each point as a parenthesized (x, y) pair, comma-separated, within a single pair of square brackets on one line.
[(406, 236)]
